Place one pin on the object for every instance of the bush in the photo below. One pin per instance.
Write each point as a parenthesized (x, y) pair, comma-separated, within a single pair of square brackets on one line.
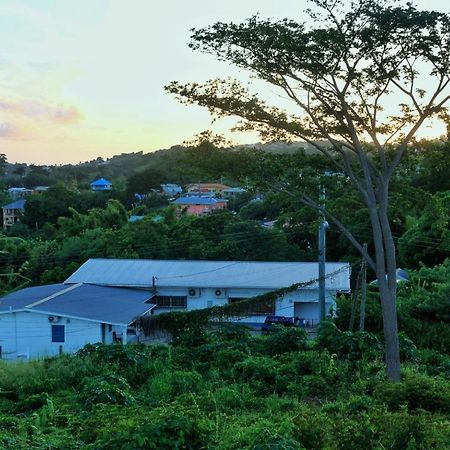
[(259, 370), (131, 428), (349, 345), (416, 391), (434, 363), (106, 389), (282, 340)]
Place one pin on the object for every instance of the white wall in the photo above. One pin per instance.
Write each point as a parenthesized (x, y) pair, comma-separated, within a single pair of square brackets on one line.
[(301, 303), (26, 335)]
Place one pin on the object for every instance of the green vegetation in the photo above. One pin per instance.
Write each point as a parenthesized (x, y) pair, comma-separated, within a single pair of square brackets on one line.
[(225, 389), (64, 226)]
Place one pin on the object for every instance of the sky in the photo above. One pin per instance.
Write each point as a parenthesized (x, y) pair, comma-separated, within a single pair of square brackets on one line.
[(84, 78)]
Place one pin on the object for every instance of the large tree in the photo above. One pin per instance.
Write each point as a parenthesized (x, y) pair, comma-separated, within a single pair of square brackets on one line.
[(364, 75)]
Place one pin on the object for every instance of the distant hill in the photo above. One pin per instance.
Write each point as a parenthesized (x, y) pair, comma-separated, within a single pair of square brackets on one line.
[(282, 147)]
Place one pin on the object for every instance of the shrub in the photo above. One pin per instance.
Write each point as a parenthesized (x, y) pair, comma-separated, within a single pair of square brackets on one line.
[(347, 344), (284, 340), (435, 363), (106, 389), (260, 370), (416, 391), (122, 355), (134, 428)]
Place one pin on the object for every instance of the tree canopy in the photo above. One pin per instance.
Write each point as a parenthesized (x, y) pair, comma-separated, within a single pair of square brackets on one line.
[(362, 79)]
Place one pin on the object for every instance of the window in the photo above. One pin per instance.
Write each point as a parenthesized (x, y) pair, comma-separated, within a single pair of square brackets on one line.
[(170, 301), (58, 333), (260, 309)]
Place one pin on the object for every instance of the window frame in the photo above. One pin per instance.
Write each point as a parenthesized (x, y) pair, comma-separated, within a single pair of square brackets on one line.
[(170, 301)]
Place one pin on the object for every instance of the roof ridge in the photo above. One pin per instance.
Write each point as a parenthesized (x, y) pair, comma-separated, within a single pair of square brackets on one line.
[(56, 294)]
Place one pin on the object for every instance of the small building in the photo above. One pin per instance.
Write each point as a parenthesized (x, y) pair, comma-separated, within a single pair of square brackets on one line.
[(40, 189), (206, 188), (171, 190), (19, 192), (233, 192), (102, 184), (134, 218), (198, 205), (188, 285), (61, 318), (13, 212)]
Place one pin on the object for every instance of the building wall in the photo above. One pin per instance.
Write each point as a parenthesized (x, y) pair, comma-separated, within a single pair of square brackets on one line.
[(102, 187), (10, 217), (198, 210), (300, 303), (25, 335)]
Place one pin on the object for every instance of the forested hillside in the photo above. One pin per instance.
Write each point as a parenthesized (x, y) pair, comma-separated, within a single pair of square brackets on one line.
[(68, 224), (223, 387)]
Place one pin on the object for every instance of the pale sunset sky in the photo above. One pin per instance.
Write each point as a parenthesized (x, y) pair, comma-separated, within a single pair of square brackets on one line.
[(84, 78)]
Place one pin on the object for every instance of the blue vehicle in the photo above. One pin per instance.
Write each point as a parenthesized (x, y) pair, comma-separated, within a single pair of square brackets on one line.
[(278, 320)]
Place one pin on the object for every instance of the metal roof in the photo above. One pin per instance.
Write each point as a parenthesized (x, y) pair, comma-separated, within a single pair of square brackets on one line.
[(18, 204), (198, 201), (97, 303), (101, 182), (135, 218), (212, 274)]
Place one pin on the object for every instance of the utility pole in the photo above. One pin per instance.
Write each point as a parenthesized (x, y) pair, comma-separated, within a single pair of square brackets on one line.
[(362, 312), (322, 257), (355, 300)]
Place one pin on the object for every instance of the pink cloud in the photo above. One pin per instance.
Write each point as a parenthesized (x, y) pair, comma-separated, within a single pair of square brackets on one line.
[(63, 114), (60, 114), (10, 131)]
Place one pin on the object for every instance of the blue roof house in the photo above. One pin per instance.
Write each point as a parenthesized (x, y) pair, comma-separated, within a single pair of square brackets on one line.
[(198, 205), (12, 213), (49, 320), (102, 184)]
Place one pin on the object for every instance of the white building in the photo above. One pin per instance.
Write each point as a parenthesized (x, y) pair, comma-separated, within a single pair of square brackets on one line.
[(187, 285), (49, 320), (102, 299)]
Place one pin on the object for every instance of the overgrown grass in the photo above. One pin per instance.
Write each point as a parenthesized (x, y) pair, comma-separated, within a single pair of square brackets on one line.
[(227, 390)]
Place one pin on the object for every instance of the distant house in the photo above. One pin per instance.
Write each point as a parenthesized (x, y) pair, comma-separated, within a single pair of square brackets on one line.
[(197, 205), (19, 192), (171, 190), (49, 320), (133, 219), (40, 189), (206, 188), (102, 184), (232, 192), (12, 213)]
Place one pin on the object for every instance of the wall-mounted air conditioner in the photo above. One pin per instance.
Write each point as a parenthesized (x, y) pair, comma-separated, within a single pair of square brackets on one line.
[(220, 293), (53, 319), (194, 292)]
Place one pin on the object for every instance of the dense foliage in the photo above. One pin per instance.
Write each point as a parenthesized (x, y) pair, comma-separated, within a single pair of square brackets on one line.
[(226, 389), (68, 224)]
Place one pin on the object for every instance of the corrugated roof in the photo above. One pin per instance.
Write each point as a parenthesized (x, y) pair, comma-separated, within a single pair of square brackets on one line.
[(135, 218), (198, 201), (115, 305), (18, 204), (215, 274), (101, 182)]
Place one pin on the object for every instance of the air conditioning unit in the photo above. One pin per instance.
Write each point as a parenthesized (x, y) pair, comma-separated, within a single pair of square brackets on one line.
[(53, 319), (194, 292), (220, 293)]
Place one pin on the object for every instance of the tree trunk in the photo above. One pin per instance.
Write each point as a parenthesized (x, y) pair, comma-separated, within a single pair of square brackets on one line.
[(390, 329), (385, 271)]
